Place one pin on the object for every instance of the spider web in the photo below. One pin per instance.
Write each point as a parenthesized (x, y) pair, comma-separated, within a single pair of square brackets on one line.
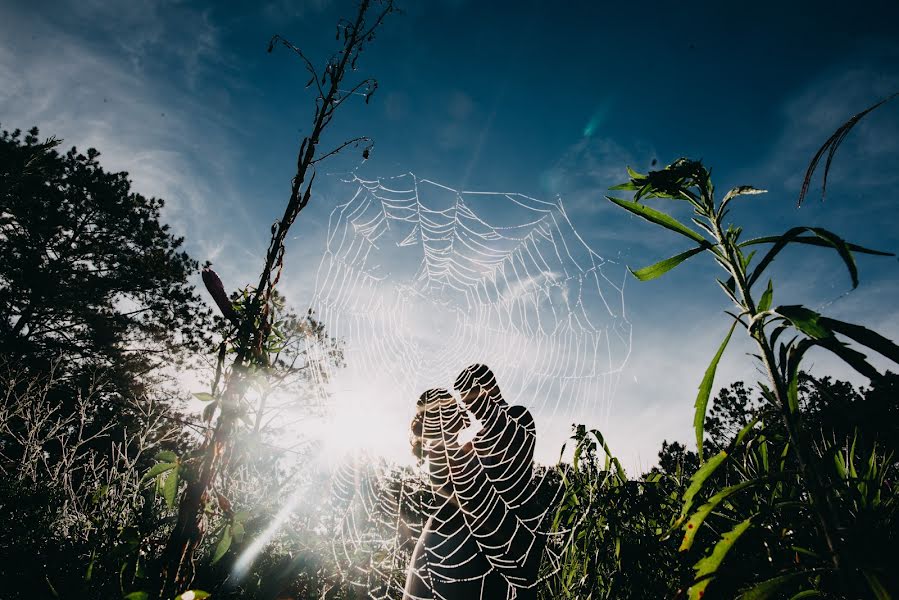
[(420, 281)]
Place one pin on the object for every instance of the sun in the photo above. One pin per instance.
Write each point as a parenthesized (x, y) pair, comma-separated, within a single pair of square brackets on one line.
[(359, 418)]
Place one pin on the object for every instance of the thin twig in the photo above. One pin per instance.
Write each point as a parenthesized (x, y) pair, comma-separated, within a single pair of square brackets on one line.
[(361, 138)]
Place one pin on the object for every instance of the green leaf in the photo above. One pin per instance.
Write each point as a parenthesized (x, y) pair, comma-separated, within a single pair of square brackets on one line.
[(795, 353), (170, 489), (864, 336), (237, 530), (662, 267), (812, 241), (779, 244), (853, 358), (742, 190), (706, 567), (818, 328), (157, 469), (602, 441), (842, 249), (825, 238), (659, 218), (793, 393), (840, 465), (767, 589), (744, 432), (204, 397), (728, 289), (222, 547), (241, 516), (166, 456), (696, 482), (691, 527), (877, 588), (778, 331), (806, 594), (767, 297), (643, 191), (805, 320), (136, 596), (90, 567), (705, 390), (747, 259)]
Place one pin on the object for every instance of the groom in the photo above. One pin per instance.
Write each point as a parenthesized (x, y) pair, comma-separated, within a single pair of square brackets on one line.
[(480, 541)]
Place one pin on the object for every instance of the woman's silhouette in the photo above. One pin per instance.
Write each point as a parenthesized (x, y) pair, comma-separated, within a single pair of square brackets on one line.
[(479, 541)]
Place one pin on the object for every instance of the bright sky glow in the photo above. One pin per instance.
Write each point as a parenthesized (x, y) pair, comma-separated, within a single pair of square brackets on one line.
[(421, 280), (359, 420)]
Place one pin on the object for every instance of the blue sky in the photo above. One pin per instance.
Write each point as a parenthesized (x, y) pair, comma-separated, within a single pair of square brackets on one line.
[(542, 100)]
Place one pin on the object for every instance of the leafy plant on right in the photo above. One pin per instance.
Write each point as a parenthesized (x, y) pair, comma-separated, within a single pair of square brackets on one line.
[(803, 502)]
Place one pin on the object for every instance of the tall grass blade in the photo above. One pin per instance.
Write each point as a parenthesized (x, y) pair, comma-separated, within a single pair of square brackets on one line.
[(696, 482), (619, 470), (770, 588), (705, 390), (691, 527), (706, 567)]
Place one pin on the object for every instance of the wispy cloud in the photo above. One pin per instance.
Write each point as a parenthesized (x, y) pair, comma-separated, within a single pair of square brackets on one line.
[(595, 163), (106, 96), (811, 116)]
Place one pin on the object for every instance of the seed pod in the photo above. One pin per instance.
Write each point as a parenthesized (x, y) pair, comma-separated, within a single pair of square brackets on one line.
[(215, 288)]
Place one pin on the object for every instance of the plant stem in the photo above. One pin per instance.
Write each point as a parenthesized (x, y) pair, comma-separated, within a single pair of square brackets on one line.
[(178, 561), (799, 443)]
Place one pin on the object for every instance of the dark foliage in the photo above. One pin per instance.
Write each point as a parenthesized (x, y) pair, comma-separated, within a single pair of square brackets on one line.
[(88, 272), (94, 297), (849, 426)]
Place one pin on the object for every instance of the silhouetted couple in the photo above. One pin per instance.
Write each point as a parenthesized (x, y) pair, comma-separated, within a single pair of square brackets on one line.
[(481, 540)]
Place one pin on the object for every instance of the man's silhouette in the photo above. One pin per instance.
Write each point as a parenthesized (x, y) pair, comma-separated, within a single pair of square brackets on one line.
[(504, 447)]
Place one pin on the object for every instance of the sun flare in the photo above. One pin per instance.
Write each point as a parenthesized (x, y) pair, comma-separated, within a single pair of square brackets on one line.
[(360, 419)]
